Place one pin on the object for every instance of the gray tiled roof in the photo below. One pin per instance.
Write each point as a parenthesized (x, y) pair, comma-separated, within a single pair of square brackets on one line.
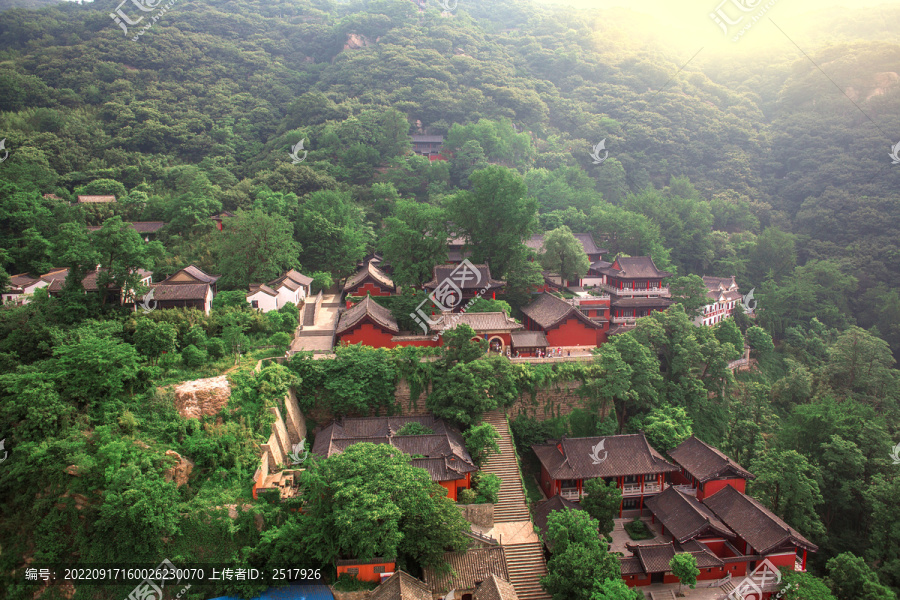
[(654, 558), (180, 291), (261, 287), (369, 271), (194, 272), (444, 454), (367, 308), (639, 302), (753, 522), (528, 339), (684, 516), (570, 458), (704, 462), (636, 267), (495, 588), (441, 272), (487, 321), (548, 311), (401, 586), (471, 568)]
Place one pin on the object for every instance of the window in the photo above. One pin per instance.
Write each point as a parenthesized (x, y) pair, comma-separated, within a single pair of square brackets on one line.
[(353, 570), (255, 303), (631, 479), (630, 504), (378, 569)]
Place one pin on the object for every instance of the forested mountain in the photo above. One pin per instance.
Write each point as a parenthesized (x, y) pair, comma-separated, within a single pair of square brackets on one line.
[(773, 167), (202, 109)]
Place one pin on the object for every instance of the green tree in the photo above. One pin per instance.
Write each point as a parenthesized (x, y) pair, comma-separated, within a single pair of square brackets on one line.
[(332, 231), (850, 578), (666, 427), (468, 390), (462, 345), (495, 216), (93, 365), (690, 292), (684, 567), (801, 585), (481, 442), (122, 255), (774, 255), (255, 247), (563, 254), (414, 428), (727, 332), (787, 484), (401, 513), (580, 556), (487, 487), (154, 339), (414, 241), (602, 501)]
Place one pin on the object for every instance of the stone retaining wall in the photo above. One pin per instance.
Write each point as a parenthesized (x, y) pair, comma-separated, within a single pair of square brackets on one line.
[(478, 514)]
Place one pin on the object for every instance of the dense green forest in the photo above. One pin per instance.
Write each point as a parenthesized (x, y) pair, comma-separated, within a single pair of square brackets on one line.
[(761, 168)]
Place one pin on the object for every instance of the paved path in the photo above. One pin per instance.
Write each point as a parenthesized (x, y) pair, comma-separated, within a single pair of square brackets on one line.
[(319, 336)]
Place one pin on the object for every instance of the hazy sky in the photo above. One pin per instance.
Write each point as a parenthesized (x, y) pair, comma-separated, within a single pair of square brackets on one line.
[(691, 23)]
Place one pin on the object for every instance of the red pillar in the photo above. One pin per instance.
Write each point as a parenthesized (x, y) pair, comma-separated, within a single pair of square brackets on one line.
[(804, 559)]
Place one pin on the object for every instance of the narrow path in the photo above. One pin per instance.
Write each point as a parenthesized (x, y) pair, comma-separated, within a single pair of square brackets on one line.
[(525, 559)]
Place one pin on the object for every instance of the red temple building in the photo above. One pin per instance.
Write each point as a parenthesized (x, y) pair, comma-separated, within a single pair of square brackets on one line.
[(636, 288), (706, 469), (370, 280), (628, 460), (443, 453), (729, 533), (367, 323), (495, 327), (562, 323)]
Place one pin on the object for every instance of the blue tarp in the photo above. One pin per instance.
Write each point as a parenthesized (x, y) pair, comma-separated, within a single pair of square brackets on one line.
[(292, 592)]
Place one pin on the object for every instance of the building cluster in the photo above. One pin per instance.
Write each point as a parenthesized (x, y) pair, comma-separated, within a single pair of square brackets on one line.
[(694, 500), (698, 501), (607, 301)]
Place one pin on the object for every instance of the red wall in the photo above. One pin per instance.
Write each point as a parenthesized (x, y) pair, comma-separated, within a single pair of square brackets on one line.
[(367, 571), (711, 487), (369, 288), (572, 333), (785, 560), (454, 486), (369, 335), (546, 482)]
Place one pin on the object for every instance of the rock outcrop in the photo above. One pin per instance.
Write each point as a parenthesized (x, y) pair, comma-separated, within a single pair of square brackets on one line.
[(181, 471), (194, 399)]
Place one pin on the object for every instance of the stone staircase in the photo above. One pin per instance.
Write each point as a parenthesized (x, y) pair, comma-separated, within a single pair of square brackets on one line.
[(511, 508), (526, 566), (524, 561), (662, 595)]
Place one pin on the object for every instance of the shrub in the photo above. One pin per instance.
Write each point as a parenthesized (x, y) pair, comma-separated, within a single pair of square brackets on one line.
[(236, 298), (637, 530), (320, 281), (280, 339), (481, 442), (349, 583), (193, 356), (215, 347), (195, 336), (414, 428), (466, 496), (487, 488)]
